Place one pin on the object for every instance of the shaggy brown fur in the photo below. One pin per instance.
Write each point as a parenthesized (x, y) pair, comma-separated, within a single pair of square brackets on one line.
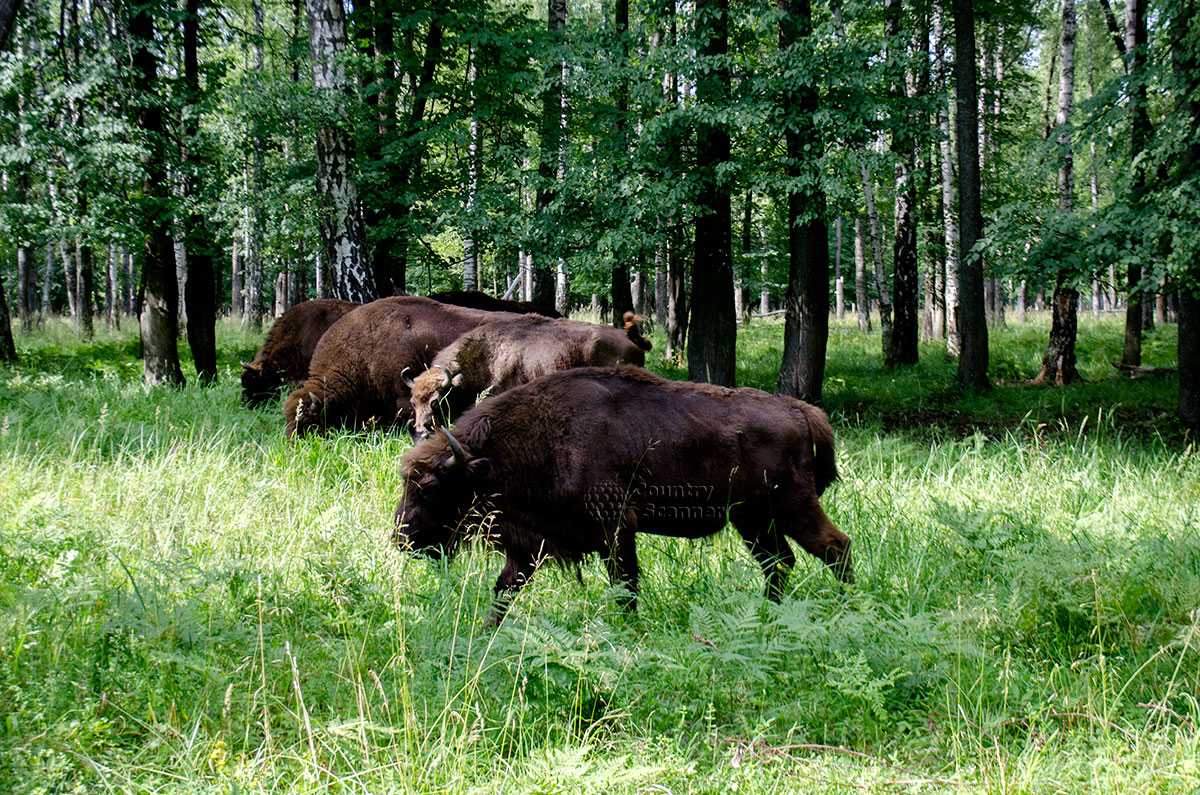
[(356, 377), (578, 461), (284, 357), (473, 299), (498, 356)]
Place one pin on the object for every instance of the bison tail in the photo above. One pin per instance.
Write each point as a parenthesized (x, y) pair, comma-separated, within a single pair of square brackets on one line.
[(824, 466), (634, 332)]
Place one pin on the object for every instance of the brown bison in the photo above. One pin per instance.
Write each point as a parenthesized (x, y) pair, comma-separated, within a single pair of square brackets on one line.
[(473, 299), (579, 461), (356, 374), (498, 356), (284, 357)]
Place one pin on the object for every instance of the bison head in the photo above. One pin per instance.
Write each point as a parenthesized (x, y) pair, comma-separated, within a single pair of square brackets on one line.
[(440, 483), (427, 390), (303, 411), (258, 385)]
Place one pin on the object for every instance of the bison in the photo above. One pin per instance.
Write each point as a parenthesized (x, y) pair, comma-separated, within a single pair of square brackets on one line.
[(473, 299), (284, 356), (580, 460), (356, 374), (498, 356)]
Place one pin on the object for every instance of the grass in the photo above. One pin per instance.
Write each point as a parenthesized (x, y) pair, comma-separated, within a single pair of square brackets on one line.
[(191, 603)]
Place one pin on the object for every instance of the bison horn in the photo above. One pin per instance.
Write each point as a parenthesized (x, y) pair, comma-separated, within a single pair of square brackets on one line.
[(445, 375), (406, 378), (460, 455)]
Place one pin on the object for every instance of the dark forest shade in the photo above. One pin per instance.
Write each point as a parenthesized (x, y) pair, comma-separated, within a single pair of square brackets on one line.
[(806, 328), (972, 323), (713, 326)]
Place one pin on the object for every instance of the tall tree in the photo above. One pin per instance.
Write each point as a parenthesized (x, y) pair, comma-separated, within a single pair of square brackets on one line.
[(470, 249), (905, 326), (200, 290), (972, 322), (1139, 137), (1185, 62), (806, 328), (711, 348), (252, 275), (1058, 363), (622, 298), (542, 270), (160, 289), (343, 234)]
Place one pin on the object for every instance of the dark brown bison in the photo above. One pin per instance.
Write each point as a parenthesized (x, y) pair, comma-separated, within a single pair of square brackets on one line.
[(473, 299), (284, 357), (356, 374), (579, 461), (498, 356)]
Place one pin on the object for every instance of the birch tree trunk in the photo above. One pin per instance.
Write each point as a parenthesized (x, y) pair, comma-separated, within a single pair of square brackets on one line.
[(862, 302), (343, 235), (839, 287), (112, 290), (542, 273), (470, 254), (881, 282), (252, 279)]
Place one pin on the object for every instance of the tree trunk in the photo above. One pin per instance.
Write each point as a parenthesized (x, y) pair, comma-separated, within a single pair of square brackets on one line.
[(112, 290), (8, 349), (862, 302), (839, 287), (542, 270), (1058, 363), (160, 302), (69, 277), (85, 287), (905, 328), (711, 349), (235, 280), (806, 326), (660, 285), (200, 289), (881, 283), (25, 287), (1022, 292), (343, 235), (1139, 137), (622, 298), (677, 303), (47, 278), (132, 305), (972, 324), (470, 251), (253, 276)]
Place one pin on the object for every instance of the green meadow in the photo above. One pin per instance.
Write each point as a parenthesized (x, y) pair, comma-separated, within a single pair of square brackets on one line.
[(190, 602)]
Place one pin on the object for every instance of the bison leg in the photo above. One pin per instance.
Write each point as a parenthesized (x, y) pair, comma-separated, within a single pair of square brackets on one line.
[(774, 556), (517, 571), (822, 539), (622, 566)]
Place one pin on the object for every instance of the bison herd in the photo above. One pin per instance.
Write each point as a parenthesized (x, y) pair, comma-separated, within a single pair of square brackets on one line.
[(562, 445)]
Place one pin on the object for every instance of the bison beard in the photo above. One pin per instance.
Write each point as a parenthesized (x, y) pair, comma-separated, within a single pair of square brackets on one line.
[(284, 356), (579, 461), (356, 377), (496, 357)]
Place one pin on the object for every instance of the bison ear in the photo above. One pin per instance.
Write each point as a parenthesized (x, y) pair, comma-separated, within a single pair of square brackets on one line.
[(480, 468)]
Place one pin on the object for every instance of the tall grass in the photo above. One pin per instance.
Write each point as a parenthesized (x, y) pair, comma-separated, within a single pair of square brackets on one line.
[(190, 602)]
